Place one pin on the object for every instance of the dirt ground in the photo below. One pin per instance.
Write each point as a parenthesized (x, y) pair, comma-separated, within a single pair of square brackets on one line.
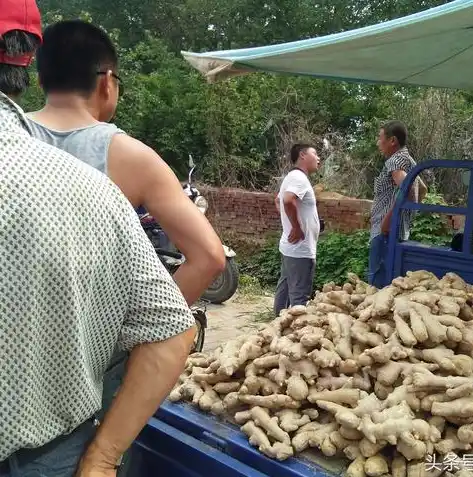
[(237, 316)]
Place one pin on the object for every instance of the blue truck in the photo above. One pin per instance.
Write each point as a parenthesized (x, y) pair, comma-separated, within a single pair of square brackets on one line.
[(430, 48), (180, 441)]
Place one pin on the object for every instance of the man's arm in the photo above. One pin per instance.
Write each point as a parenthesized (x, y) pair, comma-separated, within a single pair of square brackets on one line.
[(277, 204), (422, 189), (159, 330), (290, 207), (152, 371), (147, 180), (398, 177)]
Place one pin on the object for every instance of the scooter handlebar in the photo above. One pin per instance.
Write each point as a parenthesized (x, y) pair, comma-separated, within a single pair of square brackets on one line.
[(167, 253)]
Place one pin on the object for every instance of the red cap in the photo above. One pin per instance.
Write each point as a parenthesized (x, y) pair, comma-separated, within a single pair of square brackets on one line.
[(19, 15)]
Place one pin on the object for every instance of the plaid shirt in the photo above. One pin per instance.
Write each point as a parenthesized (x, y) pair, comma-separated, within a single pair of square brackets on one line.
[(385, 190)]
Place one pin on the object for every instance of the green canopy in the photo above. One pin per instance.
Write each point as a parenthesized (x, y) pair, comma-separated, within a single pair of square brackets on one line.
[(430, 48)]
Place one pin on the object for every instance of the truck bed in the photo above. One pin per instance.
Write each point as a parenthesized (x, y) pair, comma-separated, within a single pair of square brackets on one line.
[(181, 441)]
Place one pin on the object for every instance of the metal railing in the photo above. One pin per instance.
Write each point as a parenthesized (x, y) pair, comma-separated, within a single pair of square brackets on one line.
[(403, 203)]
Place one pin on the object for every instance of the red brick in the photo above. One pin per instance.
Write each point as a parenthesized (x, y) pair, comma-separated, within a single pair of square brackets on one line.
[(253, 215)]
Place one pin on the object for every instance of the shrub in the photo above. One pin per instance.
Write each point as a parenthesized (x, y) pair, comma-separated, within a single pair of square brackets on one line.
[(265, 264), (337, 254), (431, 228)]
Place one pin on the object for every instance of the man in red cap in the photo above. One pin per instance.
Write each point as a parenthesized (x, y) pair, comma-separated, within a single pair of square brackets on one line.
[(79, 278), (22, 18)]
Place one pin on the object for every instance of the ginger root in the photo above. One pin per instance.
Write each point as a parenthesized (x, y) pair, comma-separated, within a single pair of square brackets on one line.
[(340, 396), (376, 466), (274, 401), (257, 438), (297, 388), (262, 419), (290, 420), (384, 377), (356, 468)]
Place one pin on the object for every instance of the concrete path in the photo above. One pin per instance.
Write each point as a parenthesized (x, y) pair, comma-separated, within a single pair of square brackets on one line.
[(237, 316)]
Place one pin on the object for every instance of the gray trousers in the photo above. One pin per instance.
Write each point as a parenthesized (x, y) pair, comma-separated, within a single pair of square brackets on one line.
[(295, 284)]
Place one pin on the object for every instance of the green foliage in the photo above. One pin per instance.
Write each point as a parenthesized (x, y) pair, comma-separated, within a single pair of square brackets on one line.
[(164, 103), (33, 98), (431, 228), (265, 265), (338, 254), (240, 130), (249, 285), (220, 24)]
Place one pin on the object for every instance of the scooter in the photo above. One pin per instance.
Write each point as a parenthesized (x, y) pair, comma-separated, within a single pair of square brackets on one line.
[(226, 284), (172, 261)]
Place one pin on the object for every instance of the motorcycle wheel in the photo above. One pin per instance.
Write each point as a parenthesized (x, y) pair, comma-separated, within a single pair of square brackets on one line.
[(200, 335), (225, 285)]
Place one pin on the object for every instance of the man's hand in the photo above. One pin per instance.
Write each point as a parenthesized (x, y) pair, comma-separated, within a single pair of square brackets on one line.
[(290, 207), (422, 190), (94, 472), (146, 180), (152, 371), (386, 222), (385, 226), (98, 461), (418, 190), (91, 469), (296, 235)]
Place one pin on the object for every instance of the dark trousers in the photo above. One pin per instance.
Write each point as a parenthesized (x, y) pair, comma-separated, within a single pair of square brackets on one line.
[(111, 382), (58, 458), (295, 283), (377, 261)]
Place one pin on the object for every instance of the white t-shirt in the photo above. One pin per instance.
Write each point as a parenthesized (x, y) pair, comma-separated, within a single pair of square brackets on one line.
[(298, 183)]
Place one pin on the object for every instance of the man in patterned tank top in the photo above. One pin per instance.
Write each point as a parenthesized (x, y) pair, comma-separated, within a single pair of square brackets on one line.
[(392, 143)]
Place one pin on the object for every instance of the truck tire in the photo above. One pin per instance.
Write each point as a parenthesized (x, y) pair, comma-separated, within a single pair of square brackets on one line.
[(225, 285)]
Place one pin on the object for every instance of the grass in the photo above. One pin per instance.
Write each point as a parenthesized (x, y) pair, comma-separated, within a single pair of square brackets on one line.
[(264, 316), (250, 290), (249, 285)]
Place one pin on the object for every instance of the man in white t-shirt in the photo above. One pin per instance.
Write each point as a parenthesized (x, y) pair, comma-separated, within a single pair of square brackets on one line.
[(300, 223)]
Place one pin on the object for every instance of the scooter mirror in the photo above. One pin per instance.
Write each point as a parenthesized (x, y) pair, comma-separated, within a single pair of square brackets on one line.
[(191, 161)]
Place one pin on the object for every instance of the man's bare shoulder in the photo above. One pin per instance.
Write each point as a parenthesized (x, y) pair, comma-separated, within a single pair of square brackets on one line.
[(124, 148), (137, 170), (57, 175)]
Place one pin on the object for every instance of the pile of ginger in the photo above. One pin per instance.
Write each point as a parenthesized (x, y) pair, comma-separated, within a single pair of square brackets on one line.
[(382, 377)]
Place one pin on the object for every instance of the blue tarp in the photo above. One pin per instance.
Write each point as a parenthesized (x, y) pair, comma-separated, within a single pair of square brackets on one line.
[(430, 48)]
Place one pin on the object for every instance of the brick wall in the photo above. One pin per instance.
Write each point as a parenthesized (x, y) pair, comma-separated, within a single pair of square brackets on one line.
[(251, 216)]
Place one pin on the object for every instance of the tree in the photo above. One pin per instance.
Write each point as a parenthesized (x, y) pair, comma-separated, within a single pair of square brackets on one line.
[(240, 130)]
